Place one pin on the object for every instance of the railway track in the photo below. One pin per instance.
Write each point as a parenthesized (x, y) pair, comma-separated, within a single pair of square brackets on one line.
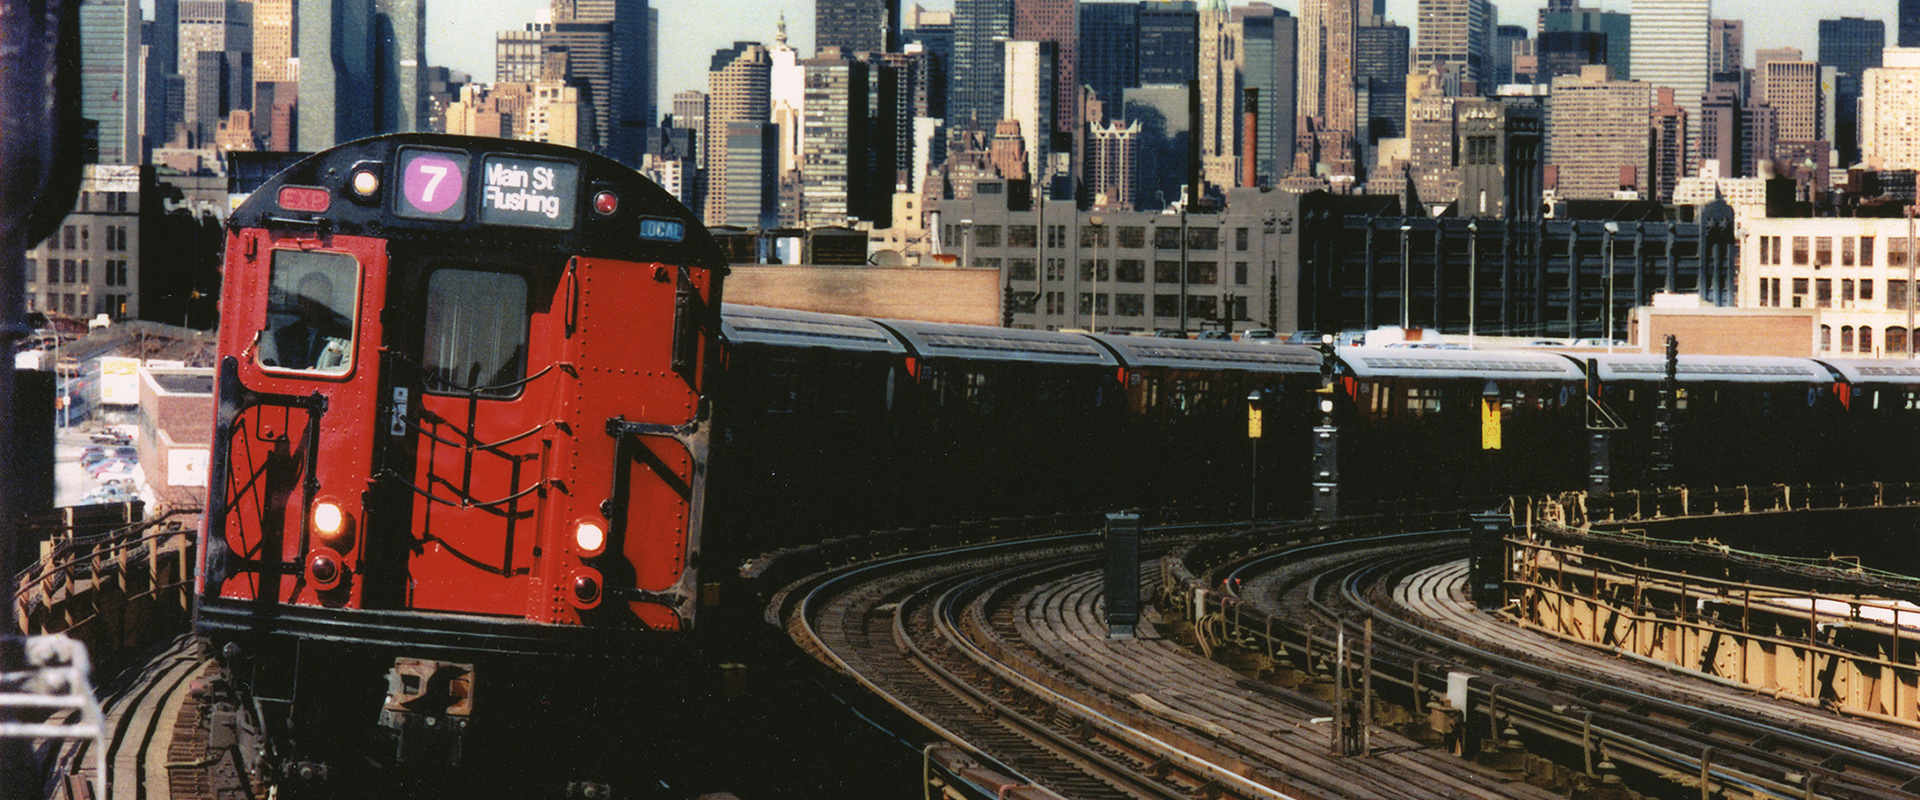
[(1679, 731), (149, 717), (1003, 650)]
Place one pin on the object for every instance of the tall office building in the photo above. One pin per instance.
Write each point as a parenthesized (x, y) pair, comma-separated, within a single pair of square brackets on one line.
[(1055, 21), (980, 29), (1325, 85), (1569, 39), (1722, 129), (1909, 12), (1030, 94), (1504, 39), (1431, 136), (631, 106), (1161, 110), (690, 112), (216, 64), (273, 32), (1113, 156), (786, 98), (1380, 70), (934, 31), (1793, 90), (110, 77), (1456, 36), (834, 182), (1269, 66), (1169, 33), (857, 26), (362, 69), (1671, 45), (1599, 133), (752, 179), (1851, 46), (1499, 157), (1727, 47), (1109, 59), (1666, 154), (1218, 84), (586, 50), (737, 83), (1890, 111)]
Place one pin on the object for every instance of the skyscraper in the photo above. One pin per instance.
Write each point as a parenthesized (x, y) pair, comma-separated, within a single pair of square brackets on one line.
[(1269, 67), (980, 27), (1326, 80), (1670, 48), (1851, 46), (1219, 157), (1568, 39), (1890, 110), (1030, 94), (273, 41), (1055, 21), (362, 69), (1909, 23), (857, 26), (834, 182), (1727, 47), (1456, 36), (1598, 132), (1168, 32), (216, 63), (934, 31), (110, 77), (1504, 38), (737, 83), (1109, 59), (632, 101), (1380, 70), (1667, 150), (1793, 90)]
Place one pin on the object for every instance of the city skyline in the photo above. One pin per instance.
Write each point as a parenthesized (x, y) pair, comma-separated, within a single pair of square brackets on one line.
[(691, 32)]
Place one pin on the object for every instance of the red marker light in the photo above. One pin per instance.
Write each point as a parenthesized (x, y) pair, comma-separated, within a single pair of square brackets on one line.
[(606, 203), (305, 198)]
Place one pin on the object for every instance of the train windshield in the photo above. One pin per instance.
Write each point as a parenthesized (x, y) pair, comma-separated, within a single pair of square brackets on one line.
[(310, 312), (476, 332)]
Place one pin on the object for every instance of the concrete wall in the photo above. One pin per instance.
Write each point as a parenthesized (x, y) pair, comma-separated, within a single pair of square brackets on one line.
[(932, 294)]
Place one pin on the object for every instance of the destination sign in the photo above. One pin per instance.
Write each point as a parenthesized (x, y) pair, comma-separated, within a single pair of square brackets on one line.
[(528, 192)]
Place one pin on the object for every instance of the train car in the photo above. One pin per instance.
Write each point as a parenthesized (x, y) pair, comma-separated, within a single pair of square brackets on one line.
[(1415, 429), (1188, 430), (458, 466), (1737, 420), (1880, 438)]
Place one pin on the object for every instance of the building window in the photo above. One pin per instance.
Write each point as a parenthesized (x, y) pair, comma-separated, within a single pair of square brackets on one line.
[(1240, 273), (987, 264), (986, 235), (1056, 236), (1132, 236), (1846, 251), (71, 270), (1799, 251), (1203, 272), (1763, 251), (1166, 238), (1846, 293), (53, 270), (1846, 339), (1897, 294), (1023, 236), (1056, 269), (1822, 251), (33, 268), (1093, 236), (1896, 252), (1202, 306), (1130, 270), (1823, 293), (1203, 238), (1826, 338), (1088, 271), (67, 234), (1239, 238), (1866, 339), (1799, 292), (1129, 305), (1896, 339), (1020, 269), (1866, 251), (1866, 291), (1166, 271), (1023, 302), (1166, 305)]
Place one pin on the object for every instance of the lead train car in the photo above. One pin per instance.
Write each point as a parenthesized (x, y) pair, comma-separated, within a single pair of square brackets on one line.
[(459, 455)]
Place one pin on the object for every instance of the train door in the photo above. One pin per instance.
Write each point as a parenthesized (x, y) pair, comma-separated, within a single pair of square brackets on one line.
[(292, 448), (480, 436)]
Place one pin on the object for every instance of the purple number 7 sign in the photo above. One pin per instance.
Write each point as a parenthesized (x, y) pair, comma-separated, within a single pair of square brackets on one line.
[(433, 183)]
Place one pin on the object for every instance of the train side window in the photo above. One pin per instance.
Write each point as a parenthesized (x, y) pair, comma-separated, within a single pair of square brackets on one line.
[(476, 332), (311, 298)]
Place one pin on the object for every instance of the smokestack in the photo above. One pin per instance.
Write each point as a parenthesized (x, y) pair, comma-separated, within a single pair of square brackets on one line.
[(1250, 141)]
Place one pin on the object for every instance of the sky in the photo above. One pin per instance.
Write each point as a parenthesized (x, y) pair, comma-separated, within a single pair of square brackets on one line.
[(691, 30)]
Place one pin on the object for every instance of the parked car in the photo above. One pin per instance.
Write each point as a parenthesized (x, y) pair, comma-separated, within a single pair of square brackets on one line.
[(127, 454), (92, 455), (1259, 335), (110, 493), (1169, 333), (110, 469), (1303, 337), (1218, 336)]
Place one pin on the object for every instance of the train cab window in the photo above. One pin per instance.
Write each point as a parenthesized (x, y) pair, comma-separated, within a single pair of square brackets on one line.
[(476, 332), (311, 297)]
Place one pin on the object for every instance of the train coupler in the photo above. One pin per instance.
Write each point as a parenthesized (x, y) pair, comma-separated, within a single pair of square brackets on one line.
[(427, 708)]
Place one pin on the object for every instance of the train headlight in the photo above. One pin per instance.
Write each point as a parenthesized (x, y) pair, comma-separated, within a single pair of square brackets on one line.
[(365, 182), (325, 568), (590, 538), (333, 525)]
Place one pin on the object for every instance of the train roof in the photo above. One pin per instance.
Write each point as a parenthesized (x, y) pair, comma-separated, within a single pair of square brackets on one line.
[(1419, 362), (1900, 371), (1212, 354), (973, 342), (782, 327), (1702, 369)]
